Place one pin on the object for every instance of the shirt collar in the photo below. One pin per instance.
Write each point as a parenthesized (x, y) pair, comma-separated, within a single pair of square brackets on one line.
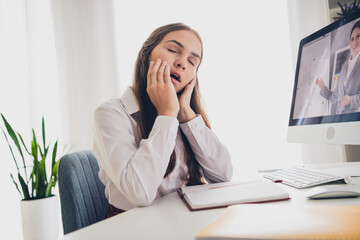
[(355, 58), (129, 101)]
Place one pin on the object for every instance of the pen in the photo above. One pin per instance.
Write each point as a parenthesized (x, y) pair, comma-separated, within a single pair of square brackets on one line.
[(277, 181)]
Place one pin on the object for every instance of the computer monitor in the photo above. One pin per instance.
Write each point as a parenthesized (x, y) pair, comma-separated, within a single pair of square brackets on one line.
[(326, 96)]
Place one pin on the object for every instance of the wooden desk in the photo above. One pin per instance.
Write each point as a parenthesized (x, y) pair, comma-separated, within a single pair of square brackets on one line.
[(169, 218)]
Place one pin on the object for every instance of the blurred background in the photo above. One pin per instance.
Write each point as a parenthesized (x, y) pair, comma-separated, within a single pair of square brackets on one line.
[(61, 59)]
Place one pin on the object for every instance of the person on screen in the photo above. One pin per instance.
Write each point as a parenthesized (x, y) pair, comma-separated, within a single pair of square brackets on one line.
[(347, 91), (157, 137)]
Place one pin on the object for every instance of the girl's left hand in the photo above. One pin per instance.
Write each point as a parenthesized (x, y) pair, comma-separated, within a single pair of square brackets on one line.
[(186, 113)]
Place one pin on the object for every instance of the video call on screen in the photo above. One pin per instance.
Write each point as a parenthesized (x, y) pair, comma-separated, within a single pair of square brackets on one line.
[(322, 58)]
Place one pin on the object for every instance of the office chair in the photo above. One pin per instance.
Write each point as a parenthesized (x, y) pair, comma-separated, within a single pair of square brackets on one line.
[(82, 195)]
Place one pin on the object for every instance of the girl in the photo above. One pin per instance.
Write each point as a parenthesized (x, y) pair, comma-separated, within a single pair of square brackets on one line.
[(157, 137)]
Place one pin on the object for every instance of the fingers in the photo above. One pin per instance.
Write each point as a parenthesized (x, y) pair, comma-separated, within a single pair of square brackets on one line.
[(193, 81), (156, 72), (152, 72), (190, 86), (161, 72), (167, 78)]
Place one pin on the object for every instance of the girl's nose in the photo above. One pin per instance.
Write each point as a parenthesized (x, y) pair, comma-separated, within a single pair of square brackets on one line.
[(180, 63)]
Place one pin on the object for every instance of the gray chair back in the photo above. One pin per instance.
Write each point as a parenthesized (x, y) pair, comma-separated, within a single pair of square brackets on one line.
[(82, 195)]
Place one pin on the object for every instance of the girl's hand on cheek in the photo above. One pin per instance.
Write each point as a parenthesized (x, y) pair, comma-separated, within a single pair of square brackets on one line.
[(186, 113), (161, 90)]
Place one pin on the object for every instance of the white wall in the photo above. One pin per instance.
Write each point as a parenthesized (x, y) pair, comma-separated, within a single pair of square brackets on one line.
[(14, 98), (246, 77), (84, 37)]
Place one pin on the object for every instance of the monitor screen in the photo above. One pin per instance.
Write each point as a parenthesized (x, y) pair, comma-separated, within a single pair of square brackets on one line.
[(326, 95)]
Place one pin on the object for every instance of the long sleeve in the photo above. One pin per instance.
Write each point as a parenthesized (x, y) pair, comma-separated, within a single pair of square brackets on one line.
[(329, 95), (348, 84), (211, 154), (333, 97), (135, 167)]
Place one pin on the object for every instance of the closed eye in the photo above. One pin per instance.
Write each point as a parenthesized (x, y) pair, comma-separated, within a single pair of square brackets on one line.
[(191, 62), (170, 50)]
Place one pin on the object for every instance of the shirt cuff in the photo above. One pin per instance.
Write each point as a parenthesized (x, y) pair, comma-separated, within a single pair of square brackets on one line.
[(193, 125), (168, 123)]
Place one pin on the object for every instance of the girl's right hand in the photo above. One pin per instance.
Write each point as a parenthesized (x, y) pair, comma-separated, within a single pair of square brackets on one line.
[(161, 90)]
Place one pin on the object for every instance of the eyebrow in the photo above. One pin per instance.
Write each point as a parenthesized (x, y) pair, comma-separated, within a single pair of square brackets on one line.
[(182, 46)]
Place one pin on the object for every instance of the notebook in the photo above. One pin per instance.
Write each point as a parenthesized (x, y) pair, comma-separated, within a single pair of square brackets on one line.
[(269, 221), (217, 195)]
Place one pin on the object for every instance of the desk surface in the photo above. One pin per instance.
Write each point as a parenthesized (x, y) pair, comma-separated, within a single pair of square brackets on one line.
[(169, 218)]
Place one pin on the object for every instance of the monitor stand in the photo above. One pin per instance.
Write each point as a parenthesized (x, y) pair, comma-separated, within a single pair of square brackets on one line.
[(352, 153), (322, 153)]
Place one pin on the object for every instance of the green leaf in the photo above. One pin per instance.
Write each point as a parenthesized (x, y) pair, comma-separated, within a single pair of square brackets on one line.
[(54, 154), (43, 134), (36, 180), (42, 168), (55, 168), (17, 167), (14, 138), (55, 171), (46, 150), (24, 187), (41, 153), (53, 179), (12, 134), (33, 182), (22, 141), (34, 146), (41, 179), (17, 187), (49, 187), (32, 173), (34, 176)]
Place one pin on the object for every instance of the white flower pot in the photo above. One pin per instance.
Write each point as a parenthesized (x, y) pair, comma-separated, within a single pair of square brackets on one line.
[(40, 219)]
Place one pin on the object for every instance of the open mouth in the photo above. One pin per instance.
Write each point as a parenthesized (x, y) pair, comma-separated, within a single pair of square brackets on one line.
[(175, 76)]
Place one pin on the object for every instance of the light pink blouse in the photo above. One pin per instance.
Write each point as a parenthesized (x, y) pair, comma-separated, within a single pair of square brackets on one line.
[(132, 169)]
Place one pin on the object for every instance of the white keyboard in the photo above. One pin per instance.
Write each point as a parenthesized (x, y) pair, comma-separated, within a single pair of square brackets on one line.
[(299, 177)]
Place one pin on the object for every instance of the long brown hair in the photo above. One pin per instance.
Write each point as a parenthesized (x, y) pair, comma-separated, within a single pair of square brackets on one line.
[(148, 112)]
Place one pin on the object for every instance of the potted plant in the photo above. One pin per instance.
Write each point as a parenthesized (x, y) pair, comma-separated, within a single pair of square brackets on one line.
[(347, 9), (39, 205)]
